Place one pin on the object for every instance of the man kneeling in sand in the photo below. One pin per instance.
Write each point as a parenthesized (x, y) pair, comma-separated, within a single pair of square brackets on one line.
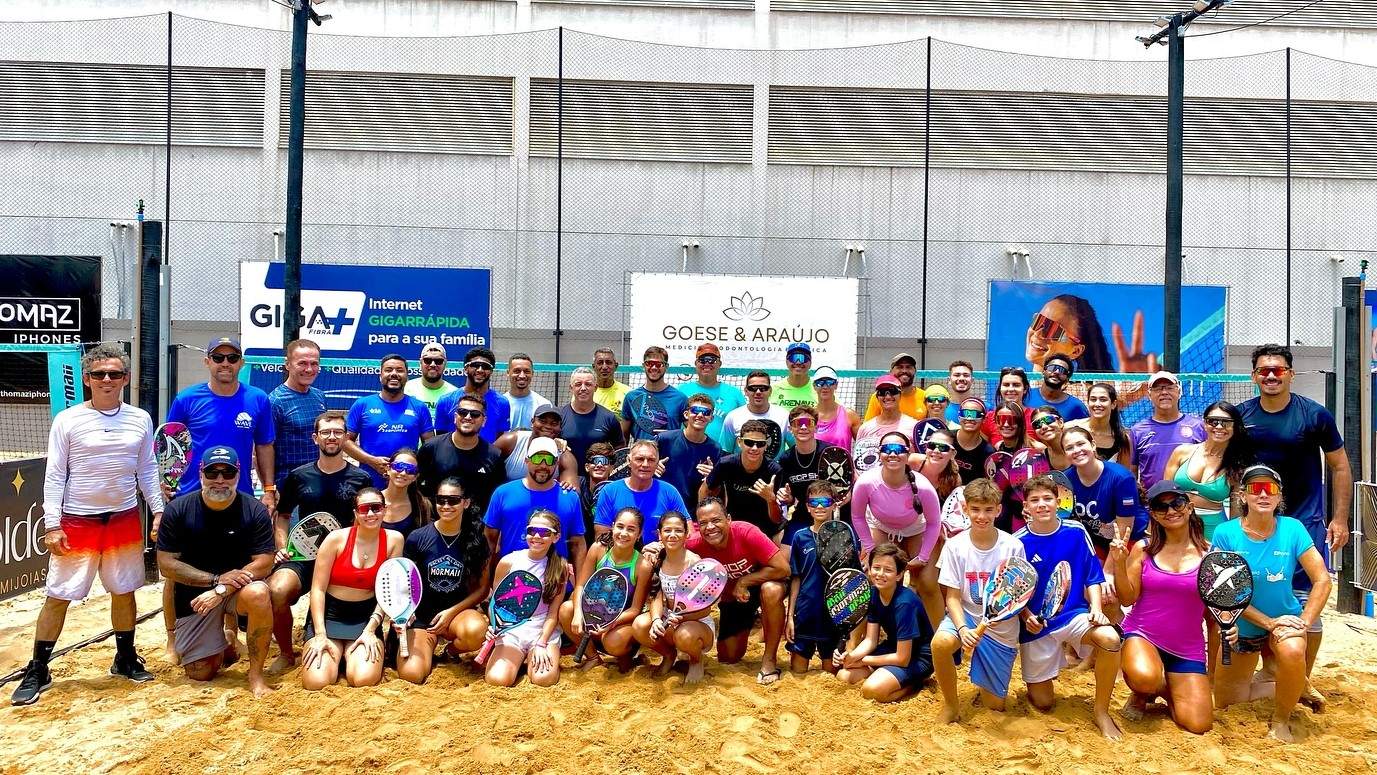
[(216, 545)]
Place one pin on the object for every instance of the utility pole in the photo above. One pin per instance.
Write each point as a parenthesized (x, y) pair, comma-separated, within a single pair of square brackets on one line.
[(302, 12)]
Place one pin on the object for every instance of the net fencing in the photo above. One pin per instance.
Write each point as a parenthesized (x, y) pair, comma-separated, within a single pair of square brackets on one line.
[(36, 382)]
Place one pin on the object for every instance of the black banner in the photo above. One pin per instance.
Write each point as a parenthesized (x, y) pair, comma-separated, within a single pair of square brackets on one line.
[(47, 300), (23, 558)]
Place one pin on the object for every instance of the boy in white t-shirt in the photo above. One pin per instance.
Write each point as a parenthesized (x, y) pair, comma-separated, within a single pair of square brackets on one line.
[(967, 562)]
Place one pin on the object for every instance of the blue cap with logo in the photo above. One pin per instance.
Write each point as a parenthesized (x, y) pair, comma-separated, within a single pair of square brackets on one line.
[(221, 341), (799, 347), (220, 455)]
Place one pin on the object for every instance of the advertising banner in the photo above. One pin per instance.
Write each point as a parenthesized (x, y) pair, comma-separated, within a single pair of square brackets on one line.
[(368, 311), (23, 558), (47, 300), (1104, 327), (751, 319)]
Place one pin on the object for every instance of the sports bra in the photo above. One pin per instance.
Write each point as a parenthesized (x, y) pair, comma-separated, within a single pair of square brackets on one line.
[(343, 572), (628, 570), (1110, 452), (1216, 490)]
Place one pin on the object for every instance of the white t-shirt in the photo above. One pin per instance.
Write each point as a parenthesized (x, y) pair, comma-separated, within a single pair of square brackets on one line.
[(963, 566), (740, 415), (97, 462)]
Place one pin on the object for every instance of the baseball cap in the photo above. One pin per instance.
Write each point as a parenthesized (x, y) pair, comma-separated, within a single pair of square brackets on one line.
[(545, 409), (886, 379), (221, 341), (540, 444), (1164, 487), (824, 372), (434, 347), (799, 347), (220, 455), (1163, 375), (936, 391), (707, 348), (1260, 471), (902, 357)]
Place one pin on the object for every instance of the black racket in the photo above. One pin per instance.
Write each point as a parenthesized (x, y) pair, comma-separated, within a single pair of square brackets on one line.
[(775, 437), (603, 600), (837, 547), (836, 468), (1225, 584), (924, 430), (619, 465), (648, 413)]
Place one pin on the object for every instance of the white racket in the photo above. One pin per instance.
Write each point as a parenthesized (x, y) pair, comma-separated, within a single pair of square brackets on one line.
[(399, 593)]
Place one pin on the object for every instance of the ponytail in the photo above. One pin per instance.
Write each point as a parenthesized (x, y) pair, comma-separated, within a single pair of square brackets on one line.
[(555, 566)]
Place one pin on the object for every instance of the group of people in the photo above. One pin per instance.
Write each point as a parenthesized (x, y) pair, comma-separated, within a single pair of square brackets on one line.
[(472, 484)]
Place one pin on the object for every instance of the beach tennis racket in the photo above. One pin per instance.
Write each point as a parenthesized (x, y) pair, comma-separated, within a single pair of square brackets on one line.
[(1225, 584), (603, 600), (847, 597), (398, 588), (513, 602), (1066, 495), (997, 467), (172, 451), (647, 412), (1024, 465), (865, 454), (620, 467), (1007, 592), (699, 587), (836, 469), (775, 437), (837, 547), (303, 543), (924, 429), (1054, 594), (955, 520)]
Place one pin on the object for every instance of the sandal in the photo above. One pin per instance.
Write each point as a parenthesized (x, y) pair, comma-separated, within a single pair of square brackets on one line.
[(768, 679)]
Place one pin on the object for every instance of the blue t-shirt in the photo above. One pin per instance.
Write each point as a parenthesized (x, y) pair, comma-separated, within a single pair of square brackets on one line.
[(1068, 542), (1113, 495), (1070, 408), (681, 467), (674, 402), (497, 414), (725, 397), (810, 613), (617, 495), (383, 427), (1292, 441), (1272, 563), (903, 619), (294, 420), (239, 422), (511, 506)]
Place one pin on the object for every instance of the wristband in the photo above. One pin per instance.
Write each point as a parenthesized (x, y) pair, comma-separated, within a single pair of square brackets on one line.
[(269, 488)]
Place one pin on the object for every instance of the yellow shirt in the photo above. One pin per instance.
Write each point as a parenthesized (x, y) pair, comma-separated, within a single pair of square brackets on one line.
[(910, 403), (611, 397)]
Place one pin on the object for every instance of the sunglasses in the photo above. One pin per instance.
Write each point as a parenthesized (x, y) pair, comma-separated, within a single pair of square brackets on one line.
[(802, 422), (825, 382), (707, 360), (538, 531), (222, 357), (698, 410), (1264, 488), (369, 508), (1272, 371), (820, 503), (1051, 330), (599, 460), (542, 459), (937, 400), (755, 443), (798, 359), (478, 365), (435, 361), (937, 446), (887, 392), (220, 473), (1219, 422), (1055, 368), (101, 376), (972, 414), (653, 364), (468, 414), (450, 500), (893, 449), (1004, 421), (757, 388), (1175, 501), (1045, 421), (403, 467)]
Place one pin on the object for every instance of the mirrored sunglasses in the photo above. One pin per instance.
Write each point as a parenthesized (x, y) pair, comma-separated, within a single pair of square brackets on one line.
[(823, 502), (1051, 330)]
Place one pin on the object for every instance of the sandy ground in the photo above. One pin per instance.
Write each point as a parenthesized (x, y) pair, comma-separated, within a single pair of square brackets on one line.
[(601, 721)]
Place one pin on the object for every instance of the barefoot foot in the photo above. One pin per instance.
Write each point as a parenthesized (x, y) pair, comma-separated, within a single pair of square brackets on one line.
[(695, 673), (1312, 699), (1281, 732), (1107, 726), (259, 687), (948, 715), (283, 663)]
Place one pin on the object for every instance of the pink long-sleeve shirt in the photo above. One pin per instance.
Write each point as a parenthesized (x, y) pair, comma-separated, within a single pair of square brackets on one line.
[(892, 508)]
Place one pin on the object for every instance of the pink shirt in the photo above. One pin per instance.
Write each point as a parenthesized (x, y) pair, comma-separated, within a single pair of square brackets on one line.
[(874, 428), (1169, 612), (892, 508), (747, 550), (837, 431)]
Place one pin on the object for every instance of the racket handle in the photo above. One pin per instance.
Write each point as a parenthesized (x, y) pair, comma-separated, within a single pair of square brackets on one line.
[(401, 640), (583, 647), (1227, 654), (980, 628), (483, 652)]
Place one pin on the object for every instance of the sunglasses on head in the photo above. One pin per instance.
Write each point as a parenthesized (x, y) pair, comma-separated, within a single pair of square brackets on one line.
[(1264, 487), (707, 360), (218, 472), (886, 392), (468, 414), (541, 459), (478, 365), (757, 388), (1173, 501), (1271, 371), (821, 502), (825, 382), (450, 500), (755, 443), (1051, 330), (223, 357), (101, 376), (369, 508), (798, 359), (1219, 422), (893, 449), (598, 460), (433, 361), (540, 531), (972, 414), (1045, 421), (937, 446), (403, 467), (698, 410)]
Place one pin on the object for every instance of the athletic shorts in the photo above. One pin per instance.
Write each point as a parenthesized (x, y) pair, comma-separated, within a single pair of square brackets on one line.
[(1303, 595), (806, 647), (1042, 658), (737, 617), (303, 570), (203, 635), (1170, 662), (344, 619), (992, 662), (917, 528), (1250, 645), (526, 635), (109, 544), (1319, 533), (912, 676)]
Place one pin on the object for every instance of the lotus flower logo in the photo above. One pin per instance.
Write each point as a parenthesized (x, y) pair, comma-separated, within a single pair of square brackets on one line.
[(747, 307)]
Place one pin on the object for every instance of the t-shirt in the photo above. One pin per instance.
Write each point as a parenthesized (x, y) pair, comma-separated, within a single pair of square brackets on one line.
[(511, 507), (968, 568), (681, 458), (294, 420), (1112, 496), (1068, 542), (417, 389), (1293, 441), (445, 576), (970, 463), (239, 422), (523, 408), (584, 430), (497, 414), (911, 403), (1153, 443), (1069, 407), (213, 541), (735, 482), (787, 396), (383, 427), (611, 397), (653, 503), (810, 613), (739, 416), (307, 491), (797, 471), (725, 398), (673, 402), (479, 469), (903, 618), (746, 550), (1272, 562)]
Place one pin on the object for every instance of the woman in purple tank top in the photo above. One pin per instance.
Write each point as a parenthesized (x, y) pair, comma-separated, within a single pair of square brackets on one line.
[(1164, 634)]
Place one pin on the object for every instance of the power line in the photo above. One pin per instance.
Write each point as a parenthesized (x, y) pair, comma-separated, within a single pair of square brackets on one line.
[(1254, 24)]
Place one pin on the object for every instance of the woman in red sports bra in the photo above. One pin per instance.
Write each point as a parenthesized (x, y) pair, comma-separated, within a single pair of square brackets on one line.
[(343, 622)]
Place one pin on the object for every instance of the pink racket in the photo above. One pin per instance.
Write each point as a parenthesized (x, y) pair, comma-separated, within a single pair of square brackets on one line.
[(699, 587)]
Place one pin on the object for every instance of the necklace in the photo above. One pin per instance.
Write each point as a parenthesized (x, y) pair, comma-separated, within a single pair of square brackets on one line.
[(1258, 534), (449, 544), (798, 459), (118, 407)]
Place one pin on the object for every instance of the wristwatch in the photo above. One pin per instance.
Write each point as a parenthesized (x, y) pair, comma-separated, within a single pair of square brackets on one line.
[(221, 590)]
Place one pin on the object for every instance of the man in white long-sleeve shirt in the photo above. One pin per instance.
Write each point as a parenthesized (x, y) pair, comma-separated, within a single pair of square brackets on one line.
[(100, 455)]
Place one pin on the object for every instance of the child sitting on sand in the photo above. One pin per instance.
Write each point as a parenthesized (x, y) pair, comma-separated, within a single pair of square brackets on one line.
[(889, 669)]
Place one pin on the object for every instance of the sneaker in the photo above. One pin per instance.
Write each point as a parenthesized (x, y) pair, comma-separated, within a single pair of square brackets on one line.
[(36, 680), (131, 668)]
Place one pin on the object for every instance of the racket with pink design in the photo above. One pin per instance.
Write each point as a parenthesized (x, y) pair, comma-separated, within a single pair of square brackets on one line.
[(1007, 592), (955, 520), (172, 451), (398, 588), (699, 586), (516, 599)]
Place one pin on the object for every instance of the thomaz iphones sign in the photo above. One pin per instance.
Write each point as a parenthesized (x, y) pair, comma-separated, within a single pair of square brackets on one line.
[(368, 311), (751, 319)]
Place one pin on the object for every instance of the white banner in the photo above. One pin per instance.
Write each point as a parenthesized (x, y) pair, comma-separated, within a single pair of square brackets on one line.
[(750, 319)]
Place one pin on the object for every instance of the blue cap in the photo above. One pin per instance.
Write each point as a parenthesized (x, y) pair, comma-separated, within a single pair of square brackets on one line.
[(799, 347), (220, 455), (221, 341)]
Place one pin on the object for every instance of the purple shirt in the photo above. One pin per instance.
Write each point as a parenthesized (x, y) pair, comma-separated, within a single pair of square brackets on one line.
[(1154, 441)]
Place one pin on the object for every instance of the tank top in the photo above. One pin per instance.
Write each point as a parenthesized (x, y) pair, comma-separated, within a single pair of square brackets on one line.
[(628, 570), (1110, 452), (1215, 490), (343, 572), (405, 525), (516, 462), (1169, 612), (836, 431), (521, 560)]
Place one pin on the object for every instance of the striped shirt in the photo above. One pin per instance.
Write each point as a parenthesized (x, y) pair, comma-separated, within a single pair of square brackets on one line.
[(97, 462), (294, 416)]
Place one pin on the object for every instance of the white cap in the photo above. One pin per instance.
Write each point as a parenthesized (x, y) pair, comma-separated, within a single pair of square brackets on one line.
[(1163, 375), (434, 347), (824, 372), (542, 444)]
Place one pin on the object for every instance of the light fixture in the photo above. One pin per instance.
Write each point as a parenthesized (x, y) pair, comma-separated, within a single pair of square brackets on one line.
[(1161, 21)]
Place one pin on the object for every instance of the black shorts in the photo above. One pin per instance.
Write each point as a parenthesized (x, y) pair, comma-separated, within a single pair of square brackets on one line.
[(736, 617), (1250, 645), (303, 569), (344, 619)]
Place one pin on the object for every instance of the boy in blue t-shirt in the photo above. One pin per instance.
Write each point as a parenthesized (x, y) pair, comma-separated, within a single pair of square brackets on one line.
[(387, 421), (809, 628), (1047, 541)]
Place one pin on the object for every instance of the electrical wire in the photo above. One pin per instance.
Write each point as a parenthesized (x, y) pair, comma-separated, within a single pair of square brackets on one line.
[(1254, 24)]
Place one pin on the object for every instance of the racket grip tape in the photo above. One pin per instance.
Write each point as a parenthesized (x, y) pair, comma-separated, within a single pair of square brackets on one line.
[(484, 652), (401, 640), (583, 647)]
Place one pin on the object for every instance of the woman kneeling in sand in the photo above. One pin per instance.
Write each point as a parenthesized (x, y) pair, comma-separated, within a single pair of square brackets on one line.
[(669, 635)]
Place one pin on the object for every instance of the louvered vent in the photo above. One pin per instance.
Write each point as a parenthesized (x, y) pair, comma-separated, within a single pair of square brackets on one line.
[(217, 106), (1334, 139), (645, 121), (407, 112), (854, 127), (1332, 13)]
